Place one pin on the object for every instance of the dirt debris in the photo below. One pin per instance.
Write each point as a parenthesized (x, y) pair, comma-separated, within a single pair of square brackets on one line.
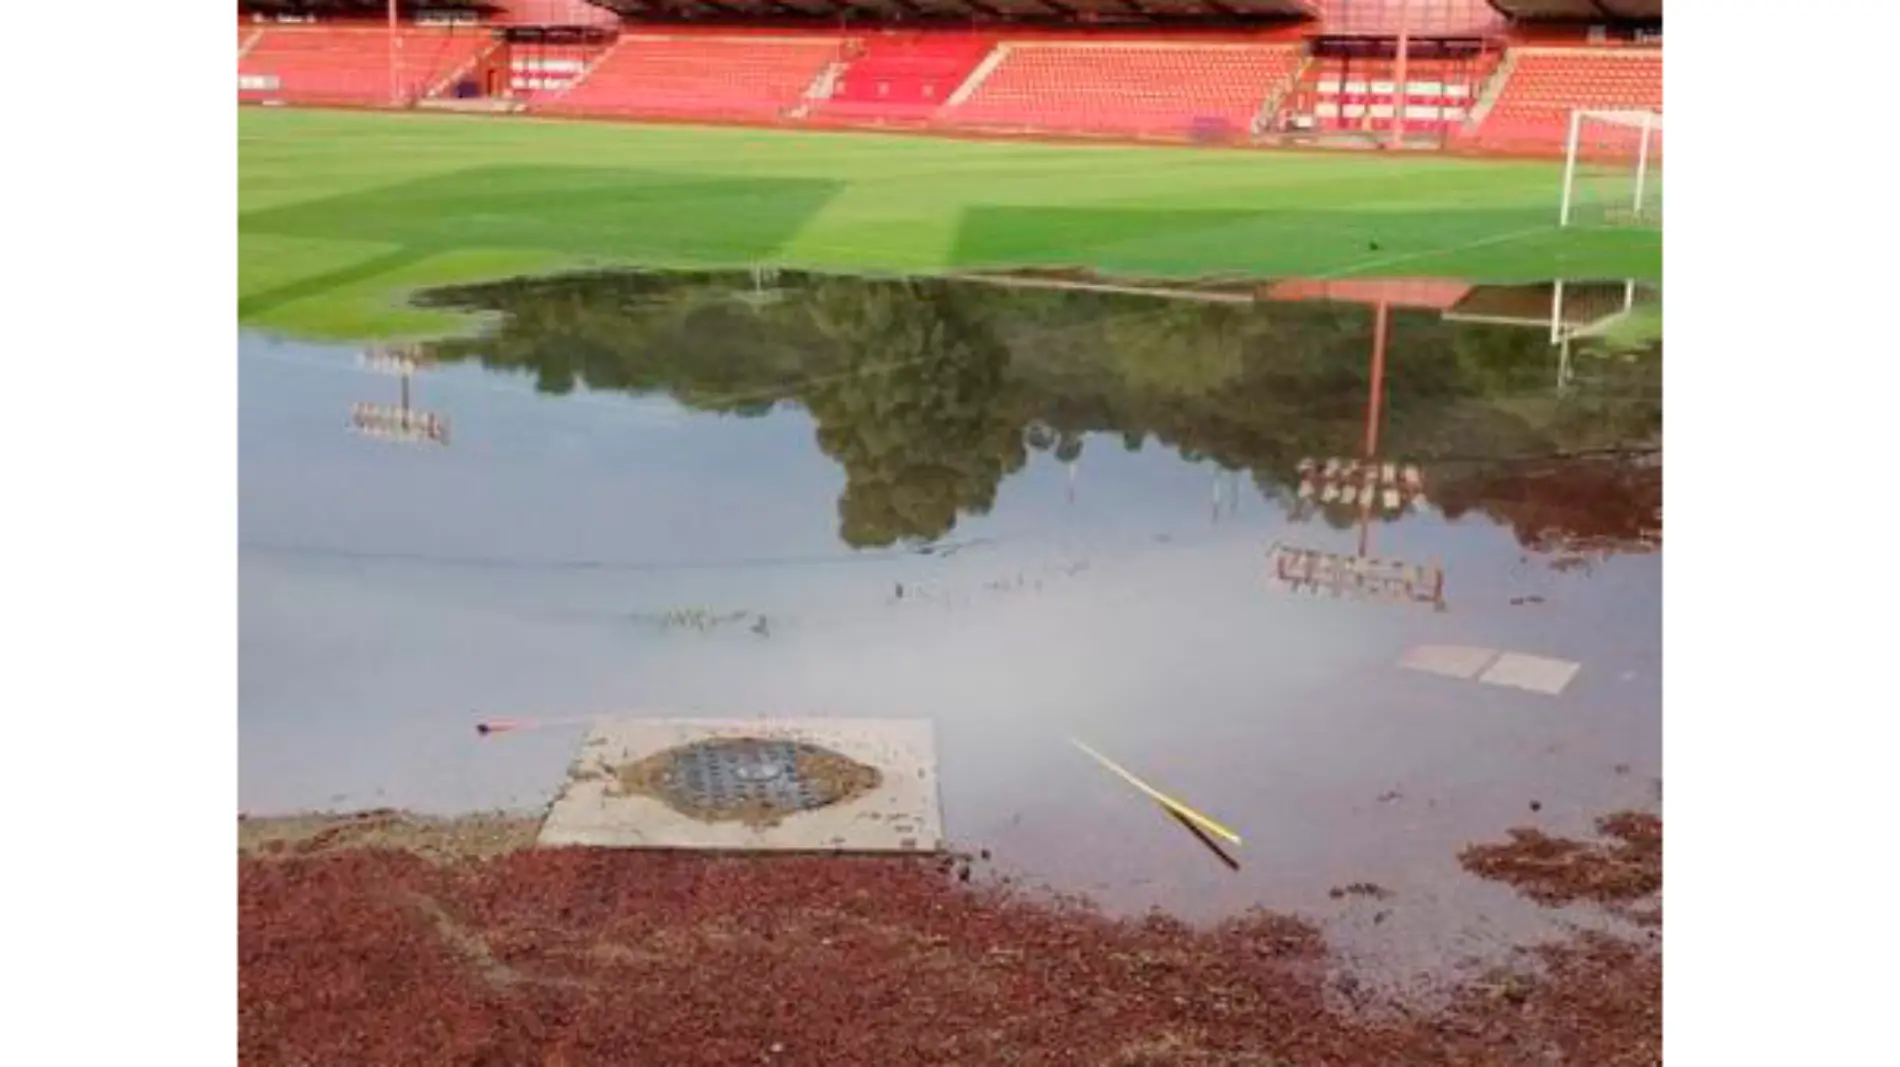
[(438, 840), (1557, 871)]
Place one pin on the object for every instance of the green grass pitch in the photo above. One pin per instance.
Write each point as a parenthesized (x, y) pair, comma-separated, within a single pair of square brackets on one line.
[(340, 214)]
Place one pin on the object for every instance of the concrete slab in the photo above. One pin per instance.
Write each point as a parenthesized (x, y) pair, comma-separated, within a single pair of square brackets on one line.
[(1451, 661), (1535, 673), (901, 813)]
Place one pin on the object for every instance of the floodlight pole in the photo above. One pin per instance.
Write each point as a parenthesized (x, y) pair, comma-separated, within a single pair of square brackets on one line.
[(395, 86), (1642, 167), (1570, 166), (1375, 395), (1400, 91)]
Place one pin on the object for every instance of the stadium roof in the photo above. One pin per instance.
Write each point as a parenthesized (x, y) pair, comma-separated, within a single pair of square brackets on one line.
[(1023, 10), (1583, 10), (365, 8), (1337, 14)]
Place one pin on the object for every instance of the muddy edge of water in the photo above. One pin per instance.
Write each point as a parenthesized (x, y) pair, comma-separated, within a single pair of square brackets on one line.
[(1618, 871)]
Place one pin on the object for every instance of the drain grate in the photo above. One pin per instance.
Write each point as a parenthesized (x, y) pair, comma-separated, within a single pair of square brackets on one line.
[(727, 774), (751, 785), (751, 779)]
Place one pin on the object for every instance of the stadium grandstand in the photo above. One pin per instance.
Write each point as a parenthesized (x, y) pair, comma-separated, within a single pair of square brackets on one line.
[(1501, 76)]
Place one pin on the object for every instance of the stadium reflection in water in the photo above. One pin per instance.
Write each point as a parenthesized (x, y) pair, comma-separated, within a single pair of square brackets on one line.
[(986, 501)]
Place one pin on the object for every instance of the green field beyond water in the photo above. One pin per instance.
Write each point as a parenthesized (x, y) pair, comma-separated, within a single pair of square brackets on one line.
[(341, 214)]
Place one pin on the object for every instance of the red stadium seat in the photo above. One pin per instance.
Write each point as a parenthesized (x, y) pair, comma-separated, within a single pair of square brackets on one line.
[(1168, 88), (902, 77), (325, 64), (686, 76), (1532, 109), (1129, 89)]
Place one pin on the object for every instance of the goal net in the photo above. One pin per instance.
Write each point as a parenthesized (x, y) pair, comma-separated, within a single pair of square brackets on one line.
[(1613, 169)]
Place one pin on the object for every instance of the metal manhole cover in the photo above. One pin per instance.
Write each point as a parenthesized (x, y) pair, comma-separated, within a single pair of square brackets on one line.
[(753, 780)]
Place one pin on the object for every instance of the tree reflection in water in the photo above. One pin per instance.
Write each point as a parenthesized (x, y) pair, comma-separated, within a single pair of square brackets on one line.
[(928, 392)]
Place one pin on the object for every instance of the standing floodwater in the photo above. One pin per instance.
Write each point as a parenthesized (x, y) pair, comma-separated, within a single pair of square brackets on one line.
[(1272, 547)]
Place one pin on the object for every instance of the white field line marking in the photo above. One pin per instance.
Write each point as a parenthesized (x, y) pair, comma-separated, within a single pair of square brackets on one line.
[(1406, 257)]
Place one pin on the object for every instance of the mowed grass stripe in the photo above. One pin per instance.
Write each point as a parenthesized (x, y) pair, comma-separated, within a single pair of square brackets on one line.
[(447, 193)]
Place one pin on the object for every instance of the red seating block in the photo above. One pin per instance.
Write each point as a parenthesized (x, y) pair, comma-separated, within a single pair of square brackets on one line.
[(756, 77), (322, 64), (1134, 89), (1532, 110), (902, 77)]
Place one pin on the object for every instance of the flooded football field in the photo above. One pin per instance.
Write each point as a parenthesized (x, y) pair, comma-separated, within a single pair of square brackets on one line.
[(1365, 571)]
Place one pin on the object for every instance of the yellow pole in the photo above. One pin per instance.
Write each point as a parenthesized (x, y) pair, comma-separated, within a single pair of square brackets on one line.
[(1161, 798)]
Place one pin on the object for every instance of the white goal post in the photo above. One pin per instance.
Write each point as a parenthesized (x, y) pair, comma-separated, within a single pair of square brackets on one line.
[(1612, 168)]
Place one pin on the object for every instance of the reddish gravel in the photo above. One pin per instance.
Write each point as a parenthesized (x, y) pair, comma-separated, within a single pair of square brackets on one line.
[(372, 954)]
